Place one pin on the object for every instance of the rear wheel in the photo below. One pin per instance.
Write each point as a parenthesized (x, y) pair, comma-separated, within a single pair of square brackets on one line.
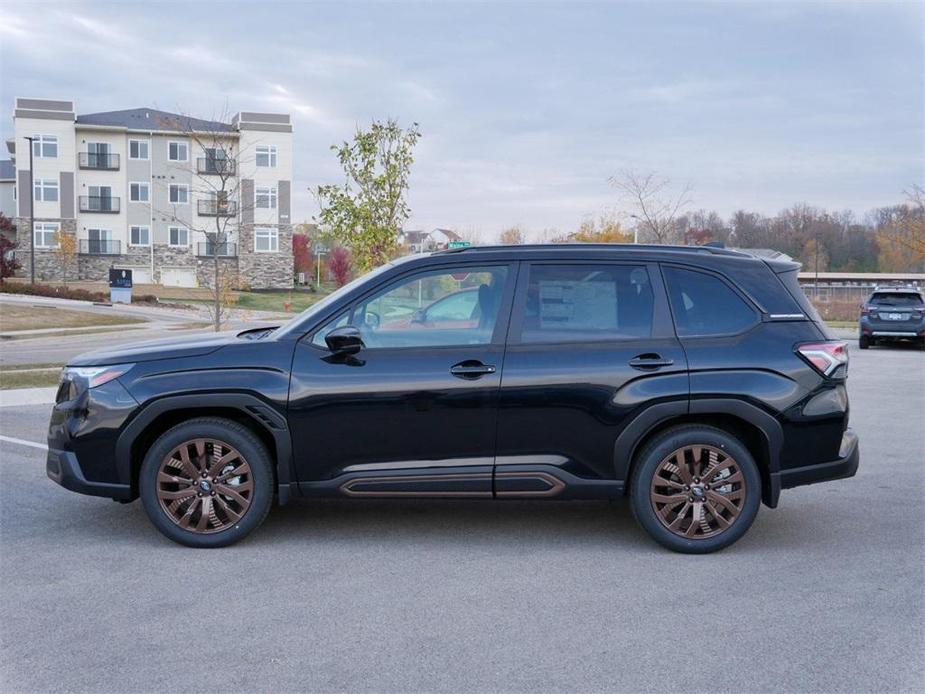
[(207, 483), (695, 489), (864, 342)]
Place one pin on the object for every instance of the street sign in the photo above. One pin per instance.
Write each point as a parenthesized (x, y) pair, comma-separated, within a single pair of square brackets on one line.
[(458, 244)]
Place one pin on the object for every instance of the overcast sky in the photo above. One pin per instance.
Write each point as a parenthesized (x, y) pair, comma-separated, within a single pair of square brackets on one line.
[(526, 109)]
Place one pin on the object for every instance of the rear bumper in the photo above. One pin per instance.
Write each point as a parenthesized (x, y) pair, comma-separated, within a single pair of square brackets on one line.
[(63, 468), (846, 465), (894, 333)]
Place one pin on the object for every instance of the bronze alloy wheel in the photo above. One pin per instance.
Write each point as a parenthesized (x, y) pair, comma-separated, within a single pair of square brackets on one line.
[(698, 491), (204, 485)]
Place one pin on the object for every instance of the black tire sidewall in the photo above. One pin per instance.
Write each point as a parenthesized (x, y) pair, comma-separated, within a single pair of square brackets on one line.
[(229, 432), (662, 446)]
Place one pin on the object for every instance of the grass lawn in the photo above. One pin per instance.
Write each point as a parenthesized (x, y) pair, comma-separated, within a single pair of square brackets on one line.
[(842, 323), (29, 376), (21, 317), (259, 301)]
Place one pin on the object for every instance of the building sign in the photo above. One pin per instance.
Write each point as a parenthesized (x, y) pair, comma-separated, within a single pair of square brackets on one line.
[(120, 279)]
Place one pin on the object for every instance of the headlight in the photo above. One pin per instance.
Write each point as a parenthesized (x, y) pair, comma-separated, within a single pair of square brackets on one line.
[(95, 375)]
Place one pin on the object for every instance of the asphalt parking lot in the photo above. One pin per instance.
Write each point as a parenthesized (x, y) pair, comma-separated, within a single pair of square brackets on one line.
[(825, 593)]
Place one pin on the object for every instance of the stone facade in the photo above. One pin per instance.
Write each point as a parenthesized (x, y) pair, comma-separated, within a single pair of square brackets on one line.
[(48, 265), (228, 268), (265, 270)]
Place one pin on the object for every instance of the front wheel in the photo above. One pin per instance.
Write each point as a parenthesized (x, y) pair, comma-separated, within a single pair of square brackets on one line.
[(206, 483), (695, 489), (863, 342)]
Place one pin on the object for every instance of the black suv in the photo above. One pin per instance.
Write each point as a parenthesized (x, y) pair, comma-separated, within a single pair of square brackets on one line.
[(698, 382), (892, 314)]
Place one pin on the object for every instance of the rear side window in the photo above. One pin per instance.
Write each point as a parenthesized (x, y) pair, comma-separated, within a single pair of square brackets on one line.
[(703, 304), (568, 303), (903, 299)]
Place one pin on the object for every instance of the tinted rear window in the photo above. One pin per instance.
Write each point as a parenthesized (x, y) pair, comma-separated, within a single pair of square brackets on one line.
[(705, 305), (896, 299)]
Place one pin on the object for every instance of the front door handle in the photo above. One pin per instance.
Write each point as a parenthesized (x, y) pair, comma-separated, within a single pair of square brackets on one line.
[(471, 369), (646, 362)]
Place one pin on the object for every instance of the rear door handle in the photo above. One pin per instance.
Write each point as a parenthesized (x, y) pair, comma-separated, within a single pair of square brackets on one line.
[(645, 362), (471, 369)]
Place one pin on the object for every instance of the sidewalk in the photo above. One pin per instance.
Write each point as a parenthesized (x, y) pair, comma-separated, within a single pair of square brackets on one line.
[(27, 396)]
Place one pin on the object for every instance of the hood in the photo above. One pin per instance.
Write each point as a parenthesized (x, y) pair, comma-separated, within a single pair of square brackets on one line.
[(171, 348)]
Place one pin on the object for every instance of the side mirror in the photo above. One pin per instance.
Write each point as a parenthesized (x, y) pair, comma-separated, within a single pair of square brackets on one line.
[(346, 340), (419, 316)]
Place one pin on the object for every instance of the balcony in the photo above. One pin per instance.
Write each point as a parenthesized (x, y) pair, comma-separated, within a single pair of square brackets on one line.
[(100, 247), (217, 208), (98, 203), (215, 167), (222, 250), (98, 162)]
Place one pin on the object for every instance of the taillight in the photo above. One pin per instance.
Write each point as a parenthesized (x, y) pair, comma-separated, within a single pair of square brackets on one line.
[(865, 311), (825, 357)]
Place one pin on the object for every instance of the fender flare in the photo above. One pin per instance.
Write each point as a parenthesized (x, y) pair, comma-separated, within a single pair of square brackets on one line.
[(254, 408), (772, 433)]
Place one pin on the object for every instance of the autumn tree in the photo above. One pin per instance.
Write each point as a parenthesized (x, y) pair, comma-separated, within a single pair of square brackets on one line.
[(302, 254), (512, 236), (367, 211), (607, 229), (66, 252), (339, 264), (901, 234), (8, 263), (656, 207)]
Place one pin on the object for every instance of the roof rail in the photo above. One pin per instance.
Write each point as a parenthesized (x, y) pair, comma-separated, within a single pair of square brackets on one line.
[(712, 250)]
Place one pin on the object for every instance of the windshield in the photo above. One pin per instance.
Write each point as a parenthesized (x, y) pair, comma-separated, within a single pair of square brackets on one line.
[(897, 299), (294, 326)]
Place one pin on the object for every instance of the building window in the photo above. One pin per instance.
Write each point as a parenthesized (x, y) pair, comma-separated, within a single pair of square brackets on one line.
[(45, 146), (179, 194), (138, 192), (265, 198), (138, 149), (178, 236), (177, 151), (45, 234), (266, 155), (46, 190), (139, 236), (266, 240)]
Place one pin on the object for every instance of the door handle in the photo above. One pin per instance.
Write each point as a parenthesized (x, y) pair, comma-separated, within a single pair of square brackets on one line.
[(645, 362), (471, 369)]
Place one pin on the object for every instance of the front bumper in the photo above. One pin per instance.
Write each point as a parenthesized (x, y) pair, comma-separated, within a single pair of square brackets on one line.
[(63, 468), (846, 465)]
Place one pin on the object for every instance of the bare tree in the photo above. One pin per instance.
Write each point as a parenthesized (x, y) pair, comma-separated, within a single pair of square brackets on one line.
[(216, 193), (656, 207)]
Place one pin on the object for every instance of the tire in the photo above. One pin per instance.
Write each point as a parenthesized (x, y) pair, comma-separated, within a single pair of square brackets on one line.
[(863, 342), (212, 465), (653, 481)]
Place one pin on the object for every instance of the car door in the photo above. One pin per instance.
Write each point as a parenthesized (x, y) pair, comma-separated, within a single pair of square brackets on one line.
[(414, 411), (591, 346)]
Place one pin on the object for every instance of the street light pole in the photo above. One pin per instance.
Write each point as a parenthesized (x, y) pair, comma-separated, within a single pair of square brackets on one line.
[(635, 228), (31, 216)]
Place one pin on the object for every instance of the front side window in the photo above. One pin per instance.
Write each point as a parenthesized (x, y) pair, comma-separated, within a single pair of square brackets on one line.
[(138, 192), (45, 234), (137, 149), (179, 194), (577, 303), (265, 198), (46, 190), (139, 236), (177, 151), (400, 316), (266, 240), (266, 155), (45, 146), (704, 304), (178, 236)]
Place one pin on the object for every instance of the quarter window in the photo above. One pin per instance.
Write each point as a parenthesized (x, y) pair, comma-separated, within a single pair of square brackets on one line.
[(569, 303), (138, 192), (178, 236), (179, 194), (266, 155), (46, 189), (265, 198), (45, 234), (266, 240), (703, 304), (45, 146), (399, 316), (139, 236), (137, 149), (177, 151)]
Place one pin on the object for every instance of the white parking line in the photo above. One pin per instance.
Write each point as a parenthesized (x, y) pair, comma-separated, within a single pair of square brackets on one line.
[(22, 442)]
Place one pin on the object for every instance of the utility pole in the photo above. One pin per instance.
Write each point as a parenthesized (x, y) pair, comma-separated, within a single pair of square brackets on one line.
[(31, 216), (635, 228)]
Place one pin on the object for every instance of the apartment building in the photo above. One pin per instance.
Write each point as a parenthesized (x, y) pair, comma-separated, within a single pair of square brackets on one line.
[(142, 189)]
